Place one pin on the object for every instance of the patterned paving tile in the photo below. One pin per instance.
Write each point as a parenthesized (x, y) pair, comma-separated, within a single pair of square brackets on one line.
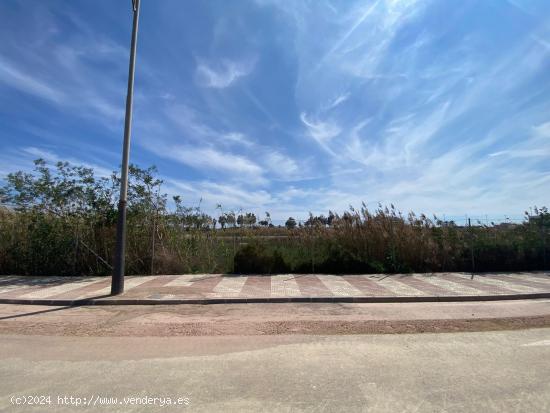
[(421, 284), (25, 285), (156, 281), (311, 285), (368, 285), (451, 286), (201, 286), (399, 288), (477, 282), (257, 286), (538, 276), (466, 281), (512, 286), (229, 287), (129, 284), (86, 291), (182, 281), (527, 280), (284, 285), (59, 289), (339, 286)]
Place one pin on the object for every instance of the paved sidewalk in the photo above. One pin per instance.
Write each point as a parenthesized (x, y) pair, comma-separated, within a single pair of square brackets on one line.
[(209, 288)]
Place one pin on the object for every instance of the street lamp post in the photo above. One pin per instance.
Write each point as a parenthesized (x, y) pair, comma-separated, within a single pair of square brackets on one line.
[(117, 284)]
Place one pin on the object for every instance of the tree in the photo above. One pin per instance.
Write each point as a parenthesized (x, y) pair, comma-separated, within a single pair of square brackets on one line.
[(313, 221), (63, 191), (290, 223), (331, 218), (250, 219), (246, 220), (230, 218)]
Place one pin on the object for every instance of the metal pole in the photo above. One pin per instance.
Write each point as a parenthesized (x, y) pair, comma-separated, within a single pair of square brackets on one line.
[(543, 234), (471, 246), (117, 284)]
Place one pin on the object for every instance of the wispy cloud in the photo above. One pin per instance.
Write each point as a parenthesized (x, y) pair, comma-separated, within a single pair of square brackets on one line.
[(224, 73), (12, 76), (209, 148), (363, 14), (280, 165), (339, 100), (237, 138), (58, 69), (321, 131), (535, 145), (21, 159), (207, 158), (229, 196), (293, 106)]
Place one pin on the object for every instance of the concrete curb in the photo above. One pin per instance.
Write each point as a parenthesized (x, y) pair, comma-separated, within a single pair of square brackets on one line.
[(258, 300)]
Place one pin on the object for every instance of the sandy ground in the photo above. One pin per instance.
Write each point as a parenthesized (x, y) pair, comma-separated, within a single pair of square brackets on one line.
[(504, 371), (456, 357), (273, 319)]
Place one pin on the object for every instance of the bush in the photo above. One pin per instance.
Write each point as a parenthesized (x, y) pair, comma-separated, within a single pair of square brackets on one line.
[(252, 259), (62, 221)]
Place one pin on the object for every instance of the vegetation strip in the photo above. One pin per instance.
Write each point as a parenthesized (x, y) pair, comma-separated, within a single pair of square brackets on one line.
[(61, 221)]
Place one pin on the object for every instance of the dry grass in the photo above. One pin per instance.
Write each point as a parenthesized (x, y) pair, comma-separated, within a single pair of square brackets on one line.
[(62, 222)]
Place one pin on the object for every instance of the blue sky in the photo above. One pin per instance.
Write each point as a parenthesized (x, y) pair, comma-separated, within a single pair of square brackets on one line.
[(291, 106)]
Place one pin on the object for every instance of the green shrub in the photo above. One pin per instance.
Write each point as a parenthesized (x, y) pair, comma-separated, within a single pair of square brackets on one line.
[(253, 259)]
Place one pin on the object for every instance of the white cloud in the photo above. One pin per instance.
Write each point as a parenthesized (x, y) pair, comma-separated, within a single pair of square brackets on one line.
[(438, 122), (14, 77), (21, 159), (196, 128), (364, 35), (235, 153), (237, 138), (231, 196), (280, 165), (58, 70), (322, 131), (234, 195), (349, 30), (224, 73), (207, 159), (338, 100), (542, 130), (542, 42), (533, 146)]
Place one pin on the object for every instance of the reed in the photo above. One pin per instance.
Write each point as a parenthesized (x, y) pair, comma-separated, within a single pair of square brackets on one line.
[(61, 221)]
